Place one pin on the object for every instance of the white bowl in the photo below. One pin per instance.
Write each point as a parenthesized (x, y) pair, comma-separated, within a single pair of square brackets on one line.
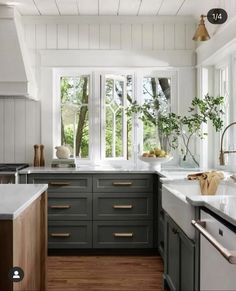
[(156, 161)]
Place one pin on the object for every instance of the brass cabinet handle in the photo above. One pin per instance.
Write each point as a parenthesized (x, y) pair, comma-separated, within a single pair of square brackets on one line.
[(60, 234), (129, 183), (58, 183), (122, 206), (230, 256), (123, 234), (60, 206)]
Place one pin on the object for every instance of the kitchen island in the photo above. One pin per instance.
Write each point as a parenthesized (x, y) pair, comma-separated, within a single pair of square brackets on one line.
[(23, 236)]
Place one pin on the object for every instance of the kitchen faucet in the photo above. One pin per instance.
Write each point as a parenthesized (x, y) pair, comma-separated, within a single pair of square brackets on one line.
[(222, 152)]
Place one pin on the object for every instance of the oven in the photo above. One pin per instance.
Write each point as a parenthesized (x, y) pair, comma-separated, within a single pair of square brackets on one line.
[(9, 173)]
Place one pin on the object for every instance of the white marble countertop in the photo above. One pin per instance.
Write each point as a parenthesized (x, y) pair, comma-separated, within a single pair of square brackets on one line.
[(170, 173), (84, 169), (222, 205), (15, 198)]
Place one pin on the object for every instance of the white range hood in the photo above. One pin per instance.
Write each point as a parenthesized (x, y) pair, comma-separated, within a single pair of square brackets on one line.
[(16, 77)]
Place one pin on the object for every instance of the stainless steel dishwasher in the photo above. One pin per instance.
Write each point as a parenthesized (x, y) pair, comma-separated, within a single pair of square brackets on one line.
[(217, 254)]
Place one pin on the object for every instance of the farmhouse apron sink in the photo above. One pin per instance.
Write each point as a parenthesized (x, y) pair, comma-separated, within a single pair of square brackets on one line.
[(175, 196)]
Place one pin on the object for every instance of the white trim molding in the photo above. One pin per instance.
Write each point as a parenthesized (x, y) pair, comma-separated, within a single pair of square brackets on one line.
[(116, 58)]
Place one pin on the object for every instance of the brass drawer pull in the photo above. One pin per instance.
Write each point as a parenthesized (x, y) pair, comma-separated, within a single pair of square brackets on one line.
[(59, 234), (122, 206), (59, 183), (123, 234), (122, 183), (59, 206)]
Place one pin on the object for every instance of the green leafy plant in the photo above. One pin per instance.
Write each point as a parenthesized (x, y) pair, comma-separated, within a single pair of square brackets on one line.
[(179, 130)]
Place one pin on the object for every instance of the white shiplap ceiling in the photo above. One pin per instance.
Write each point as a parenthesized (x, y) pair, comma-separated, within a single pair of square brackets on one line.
[(120, 7)]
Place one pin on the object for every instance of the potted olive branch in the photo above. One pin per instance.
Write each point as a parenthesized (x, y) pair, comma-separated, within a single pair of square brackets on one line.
[(179, 130)]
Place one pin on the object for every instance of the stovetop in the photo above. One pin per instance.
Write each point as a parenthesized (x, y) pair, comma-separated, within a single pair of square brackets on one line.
[(12, 167)]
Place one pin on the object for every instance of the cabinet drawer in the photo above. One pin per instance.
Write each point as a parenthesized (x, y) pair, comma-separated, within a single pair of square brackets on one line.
[(122, 206), (63, 182), (121, 234), (69, 234), (122, 183), (70, 208)]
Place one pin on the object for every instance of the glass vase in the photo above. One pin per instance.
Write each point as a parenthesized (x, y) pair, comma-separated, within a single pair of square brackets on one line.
[(189, 161)]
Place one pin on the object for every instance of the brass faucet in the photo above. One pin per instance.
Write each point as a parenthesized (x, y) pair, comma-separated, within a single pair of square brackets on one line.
[(222, 158)]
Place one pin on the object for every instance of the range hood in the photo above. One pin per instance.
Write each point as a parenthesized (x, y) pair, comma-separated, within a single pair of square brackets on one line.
[(16, 77)]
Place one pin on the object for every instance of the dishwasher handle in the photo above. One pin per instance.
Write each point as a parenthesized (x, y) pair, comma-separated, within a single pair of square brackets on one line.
[(230, 256)]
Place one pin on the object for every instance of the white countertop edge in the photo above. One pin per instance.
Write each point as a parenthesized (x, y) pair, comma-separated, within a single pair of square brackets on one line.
[(208, 205), (48, 170), (220, 213), (12, 216)]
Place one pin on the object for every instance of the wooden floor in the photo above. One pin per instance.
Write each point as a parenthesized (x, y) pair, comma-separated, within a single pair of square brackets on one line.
[(105, 273)]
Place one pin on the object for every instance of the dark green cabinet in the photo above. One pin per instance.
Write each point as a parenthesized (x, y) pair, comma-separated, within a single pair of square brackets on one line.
[(122, 211), (122, 234), (69, 209), (187, 259), (69, 234), (179, 268), (160, 221), (122, 183), (72, 206), (122, 206), (112, 210)]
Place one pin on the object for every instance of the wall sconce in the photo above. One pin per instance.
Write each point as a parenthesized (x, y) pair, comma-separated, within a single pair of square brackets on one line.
[(201, 33)]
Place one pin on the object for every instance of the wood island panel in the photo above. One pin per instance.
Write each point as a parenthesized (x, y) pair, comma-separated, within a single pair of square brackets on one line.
[(23, 243)]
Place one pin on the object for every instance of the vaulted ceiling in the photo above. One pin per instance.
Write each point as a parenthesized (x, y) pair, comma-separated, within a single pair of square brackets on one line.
[(120, 7)]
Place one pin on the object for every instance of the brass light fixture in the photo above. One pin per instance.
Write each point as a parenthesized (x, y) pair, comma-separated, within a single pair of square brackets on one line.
[(201, 33)]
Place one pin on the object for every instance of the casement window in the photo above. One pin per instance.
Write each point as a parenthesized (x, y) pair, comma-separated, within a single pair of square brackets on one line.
[(224, 91), (116, 126), (92, 112), (75, 131), (155, 86)]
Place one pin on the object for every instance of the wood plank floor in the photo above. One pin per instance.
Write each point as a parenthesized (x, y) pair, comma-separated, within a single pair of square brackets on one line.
[(105, 273)]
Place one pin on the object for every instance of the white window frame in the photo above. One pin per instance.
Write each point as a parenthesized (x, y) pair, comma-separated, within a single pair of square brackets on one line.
[(226, 64), (103, 110), (174, 102), (58, 73), (96, 98)]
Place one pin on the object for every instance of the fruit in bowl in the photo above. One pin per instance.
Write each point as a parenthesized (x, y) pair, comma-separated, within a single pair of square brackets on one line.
[(156, 156), (155, 153)]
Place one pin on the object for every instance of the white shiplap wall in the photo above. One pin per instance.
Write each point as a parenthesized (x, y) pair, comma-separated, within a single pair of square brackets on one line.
[(59, 33), (20, 118), (107, 33), (19, 129)]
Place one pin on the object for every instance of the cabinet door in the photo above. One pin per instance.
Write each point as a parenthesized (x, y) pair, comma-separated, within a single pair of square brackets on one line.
[(161, 237), (160, 217), (61, 183), (70, 206), (122, 234), (118, 183), (187, 270), (69, 234), (122, 206), (172, 254)]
